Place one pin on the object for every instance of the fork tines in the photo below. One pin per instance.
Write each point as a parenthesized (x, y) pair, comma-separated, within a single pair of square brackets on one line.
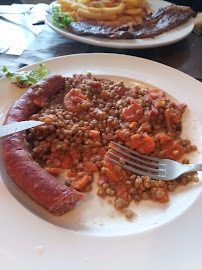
[(141, 164)]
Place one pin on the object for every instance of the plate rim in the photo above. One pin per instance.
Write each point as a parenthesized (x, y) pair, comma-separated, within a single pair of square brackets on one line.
[(63, 237), (111, 44)]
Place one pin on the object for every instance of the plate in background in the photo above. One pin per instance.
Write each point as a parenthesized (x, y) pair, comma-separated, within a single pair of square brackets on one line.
[(167, 38)]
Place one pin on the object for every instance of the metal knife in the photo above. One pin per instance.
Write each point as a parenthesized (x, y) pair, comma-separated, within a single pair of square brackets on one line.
[(18, 126)]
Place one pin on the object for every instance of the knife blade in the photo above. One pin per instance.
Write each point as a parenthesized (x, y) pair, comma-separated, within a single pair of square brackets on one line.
[(18, 126)]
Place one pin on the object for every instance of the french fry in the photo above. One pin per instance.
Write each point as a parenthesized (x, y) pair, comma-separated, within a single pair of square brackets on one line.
[(94, 10), (79, 18), (133, 11), (96, 16), (114, 10), (75, 6), (85, 2), (135, 3), (110, 12), (65, 5), (70, 13), (100, 4), (138, 19), (109, 3), (124, 19)]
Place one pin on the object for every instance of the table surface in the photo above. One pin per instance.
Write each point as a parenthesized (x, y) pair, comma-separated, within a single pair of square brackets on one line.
[(185, 55)]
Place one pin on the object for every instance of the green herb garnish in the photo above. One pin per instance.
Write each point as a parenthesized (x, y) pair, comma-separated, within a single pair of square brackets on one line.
[(26, 78), (60, 19)]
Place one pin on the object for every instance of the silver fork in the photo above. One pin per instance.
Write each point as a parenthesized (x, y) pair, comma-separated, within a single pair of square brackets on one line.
[(156, 168)]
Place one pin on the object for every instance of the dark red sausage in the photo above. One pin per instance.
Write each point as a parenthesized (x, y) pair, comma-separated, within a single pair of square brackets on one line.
[(43, 188)]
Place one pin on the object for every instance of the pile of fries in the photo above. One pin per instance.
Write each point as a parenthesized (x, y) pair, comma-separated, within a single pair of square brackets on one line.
[(109, 12)]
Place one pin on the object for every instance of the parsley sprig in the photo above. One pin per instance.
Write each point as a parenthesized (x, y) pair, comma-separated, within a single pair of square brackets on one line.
[(26, 78), (60, 19)]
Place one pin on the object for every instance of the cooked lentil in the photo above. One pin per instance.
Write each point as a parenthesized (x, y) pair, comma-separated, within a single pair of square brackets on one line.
[(82, 119)]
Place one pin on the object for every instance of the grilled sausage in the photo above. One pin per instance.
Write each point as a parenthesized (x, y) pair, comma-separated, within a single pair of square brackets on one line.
[(40, 186)]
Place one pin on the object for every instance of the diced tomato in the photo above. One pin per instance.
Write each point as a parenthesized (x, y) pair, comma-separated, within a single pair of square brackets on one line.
[(87, 155), (66, 162), (94, 134), (72, 98), (165, 197), (156, 93), (71, 174), (101, 151), (99, 114), (81, 182), (148, 145), (134, 142), (103, 179), (133, 125), (120, 134), (144, 145), (126, 92), (108, 137), (154, 111), (40, 101), (130, 113), (55, 163), (162, 137), (73, 154), (53, 171), (180, 107), (90, 167), (105, 94), (49, 117), (55, 155), (111, 172), (77, 99), (112, 151), (146, 126), (94, 83), (173, 150), (121, 191), (176, 116), (111, 175)]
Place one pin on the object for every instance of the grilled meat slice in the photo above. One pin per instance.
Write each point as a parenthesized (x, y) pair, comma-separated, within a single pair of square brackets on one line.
[(160, 22)]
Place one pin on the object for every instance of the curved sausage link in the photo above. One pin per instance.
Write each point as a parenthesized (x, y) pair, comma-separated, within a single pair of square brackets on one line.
[(40, 186)]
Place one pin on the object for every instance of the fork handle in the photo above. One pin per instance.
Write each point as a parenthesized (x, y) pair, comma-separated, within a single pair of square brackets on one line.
[(195, 167)]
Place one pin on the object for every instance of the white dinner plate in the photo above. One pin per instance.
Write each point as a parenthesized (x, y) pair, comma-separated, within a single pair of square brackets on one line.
[(94, 235), (167, 38)]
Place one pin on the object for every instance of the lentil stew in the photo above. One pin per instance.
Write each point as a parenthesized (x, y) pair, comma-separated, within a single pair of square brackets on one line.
[(82, 119)]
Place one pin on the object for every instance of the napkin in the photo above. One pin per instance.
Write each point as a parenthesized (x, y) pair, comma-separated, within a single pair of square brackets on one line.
[(18, 27), (15, 8)]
